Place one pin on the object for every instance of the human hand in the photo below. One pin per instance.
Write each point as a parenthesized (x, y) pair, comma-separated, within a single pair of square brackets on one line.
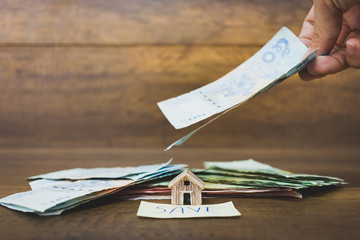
[(333, 26)]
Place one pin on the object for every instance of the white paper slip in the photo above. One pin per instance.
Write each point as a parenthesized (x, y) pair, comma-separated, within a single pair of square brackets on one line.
[(160, 210), (283, 52)]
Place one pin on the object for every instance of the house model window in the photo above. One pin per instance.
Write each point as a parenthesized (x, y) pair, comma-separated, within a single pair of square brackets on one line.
[(186, 189)]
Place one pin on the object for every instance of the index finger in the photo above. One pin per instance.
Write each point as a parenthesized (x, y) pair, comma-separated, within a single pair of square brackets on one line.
[(328, 15)]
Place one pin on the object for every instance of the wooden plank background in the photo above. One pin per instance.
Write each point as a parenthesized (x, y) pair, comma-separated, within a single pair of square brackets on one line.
[(89, 73)]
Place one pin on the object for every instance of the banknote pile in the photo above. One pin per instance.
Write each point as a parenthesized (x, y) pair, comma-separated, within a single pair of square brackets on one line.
[(55, 192), (239, 179)]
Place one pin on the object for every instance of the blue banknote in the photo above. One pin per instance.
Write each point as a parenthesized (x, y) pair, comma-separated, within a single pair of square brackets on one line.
[(276, 61)]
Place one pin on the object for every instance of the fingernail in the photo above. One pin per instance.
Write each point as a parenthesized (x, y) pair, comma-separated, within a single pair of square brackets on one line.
[(350, 48)]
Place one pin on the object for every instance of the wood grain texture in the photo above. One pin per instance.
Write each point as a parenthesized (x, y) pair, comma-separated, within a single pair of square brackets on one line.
[(87, 73), (107, 96), (120, 22), (328, 214)]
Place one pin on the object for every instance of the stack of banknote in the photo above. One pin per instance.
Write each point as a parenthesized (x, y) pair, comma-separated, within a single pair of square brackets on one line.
[(280, 58), (239, 179), (55, 192)]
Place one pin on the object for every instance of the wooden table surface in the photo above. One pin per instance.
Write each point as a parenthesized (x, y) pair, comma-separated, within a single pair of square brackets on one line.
[(79, 83), (326, 214)]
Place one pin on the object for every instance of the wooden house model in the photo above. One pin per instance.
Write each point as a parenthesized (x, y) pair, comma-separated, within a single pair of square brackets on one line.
[(186, 189)]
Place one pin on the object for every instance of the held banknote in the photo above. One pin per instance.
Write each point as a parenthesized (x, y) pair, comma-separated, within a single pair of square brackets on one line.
[(279, 59)]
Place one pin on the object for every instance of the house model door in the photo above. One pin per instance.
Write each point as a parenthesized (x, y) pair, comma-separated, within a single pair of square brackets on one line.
[(187, 199)]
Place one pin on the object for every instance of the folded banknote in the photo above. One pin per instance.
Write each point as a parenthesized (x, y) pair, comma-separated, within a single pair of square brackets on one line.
[(53, 193), (279, 59)]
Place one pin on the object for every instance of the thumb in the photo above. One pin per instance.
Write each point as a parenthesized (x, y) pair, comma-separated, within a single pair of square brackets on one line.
[(353, 52)]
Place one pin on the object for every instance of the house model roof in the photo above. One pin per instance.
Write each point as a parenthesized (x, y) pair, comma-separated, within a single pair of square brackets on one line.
[(190, 176)]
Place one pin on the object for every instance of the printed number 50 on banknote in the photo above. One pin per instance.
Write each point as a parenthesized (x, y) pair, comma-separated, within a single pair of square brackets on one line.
[(278, 59)]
